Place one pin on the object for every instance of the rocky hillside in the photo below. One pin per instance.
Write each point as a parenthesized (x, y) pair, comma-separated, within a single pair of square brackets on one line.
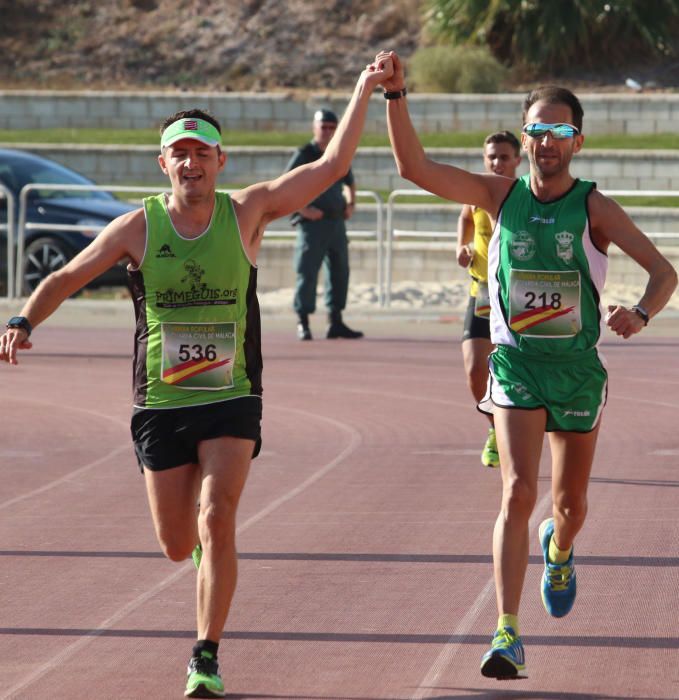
[(194, 44), (249, 45)]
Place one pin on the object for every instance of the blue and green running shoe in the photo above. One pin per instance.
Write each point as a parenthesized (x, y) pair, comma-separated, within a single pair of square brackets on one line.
[(505, 658), (203, 679), (197, 555), (558, 580)]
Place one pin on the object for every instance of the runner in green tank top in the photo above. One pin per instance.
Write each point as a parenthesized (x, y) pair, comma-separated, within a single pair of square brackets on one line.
[(197, 364), (197, 312), (546, 272)]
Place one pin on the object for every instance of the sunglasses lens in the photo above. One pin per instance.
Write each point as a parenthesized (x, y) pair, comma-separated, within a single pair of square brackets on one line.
[(536, 130), (558, 131), (563, 131)]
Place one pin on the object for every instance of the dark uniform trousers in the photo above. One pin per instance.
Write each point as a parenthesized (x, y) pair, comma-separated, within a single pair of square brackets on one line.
[(321, 242)]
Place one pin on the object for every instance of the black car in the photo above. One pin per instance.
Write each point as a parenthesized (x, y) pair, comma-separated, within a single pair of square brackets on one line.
[(48, 249)]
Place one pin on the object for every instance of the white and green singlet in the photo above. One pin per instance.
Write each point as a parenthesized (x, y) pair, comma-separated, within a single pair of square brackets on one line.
[(197, 338), (545, 273)]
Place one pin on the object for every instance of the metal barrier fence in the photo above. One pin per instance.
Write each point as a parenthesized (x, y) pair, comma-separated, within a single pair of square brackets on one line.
[(9, 230), (377, 234), (384, 235), (392, 232), (23, 225), (15, 282)]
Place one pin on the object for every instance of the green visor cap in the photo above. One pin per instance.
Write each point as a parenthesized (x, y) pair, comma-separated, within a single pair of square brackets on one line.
[(191, 128)]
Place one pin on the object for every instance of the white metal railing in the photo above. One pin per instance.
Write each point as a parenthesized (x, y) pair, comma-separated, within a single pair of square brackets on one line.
[(377, 234), (384, 235), (8, 227), (392, 232), (23, 225), (15, 283)]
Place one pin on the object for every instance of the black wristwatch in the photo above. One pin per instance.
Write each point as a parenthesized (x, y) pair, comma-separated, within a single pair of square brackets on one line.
[(20, 322), (395, 94), (642, 313)]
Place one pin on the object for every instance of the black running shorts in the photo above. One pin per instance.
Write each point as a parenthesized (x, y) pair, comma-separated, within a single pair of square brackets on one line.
[(168, 437), (475, 326)]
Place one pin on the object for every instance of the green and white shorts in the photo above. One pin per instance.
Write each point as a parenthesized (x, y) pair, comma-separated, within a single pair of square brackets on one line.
[(573, 390)]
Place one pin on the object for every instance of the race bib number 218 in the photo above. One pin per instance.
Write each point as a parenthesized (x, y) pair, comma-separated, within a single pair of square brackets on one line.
[(545, 304)]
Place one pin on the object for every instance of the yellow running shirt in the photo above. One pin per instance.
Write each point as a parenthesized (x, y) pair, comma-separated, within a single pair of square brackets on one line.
[(483, 232)]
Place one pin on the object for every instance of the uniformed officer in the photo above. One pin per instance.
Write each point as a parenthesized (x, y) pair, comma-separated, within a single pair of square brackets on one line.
[(322, 238)]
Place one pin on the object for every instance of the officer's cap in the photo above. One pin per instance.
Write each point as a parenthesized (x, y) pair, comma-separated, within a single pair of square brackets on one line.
[(325, 115)]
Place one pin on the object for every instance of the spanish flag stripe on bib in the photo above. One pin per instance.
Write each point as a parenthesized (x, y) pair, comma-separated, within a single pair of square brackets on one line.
[(527, 319), (172, 375)]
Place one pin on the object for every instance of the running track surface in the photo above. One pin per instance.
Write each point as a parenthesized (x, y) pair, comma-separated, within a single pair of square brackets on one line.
[(364, 533)]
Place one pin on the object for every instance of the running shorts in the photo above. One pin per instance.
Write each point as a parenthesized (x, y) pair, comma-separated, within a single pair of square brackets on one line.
[(475, 326), (572, 390), (168, 437)]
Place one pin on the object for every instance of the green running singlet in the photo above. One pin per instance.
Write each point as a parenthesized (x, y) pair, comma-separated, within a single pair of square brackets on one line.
[(197, 339), (545, 273), (545, 279)]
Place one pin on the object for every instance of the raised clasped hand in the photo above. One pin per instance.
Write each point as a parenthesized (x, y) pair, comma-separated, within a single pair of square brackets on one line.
[(380, 70), (394, 78)]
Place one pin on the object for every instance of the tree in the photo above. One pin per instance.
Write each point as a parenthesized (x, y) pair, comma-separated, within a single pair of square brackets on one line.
[(552, 35)]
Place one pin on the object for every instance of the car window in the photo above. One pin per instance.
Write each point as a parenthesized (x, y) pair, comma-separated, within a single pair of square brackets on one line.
[(27, 171), (6, 179)]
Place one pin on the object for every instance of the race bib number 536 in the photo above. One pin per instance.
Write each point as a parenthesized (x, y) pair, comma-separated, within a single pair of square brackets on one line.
[(545, 304), (198, 355)]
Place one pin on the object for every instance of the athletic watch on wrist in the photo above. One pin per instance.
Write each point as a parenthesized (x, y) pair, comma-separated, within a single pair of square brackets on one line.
[(642, 313), (20, 322), (395, 94)]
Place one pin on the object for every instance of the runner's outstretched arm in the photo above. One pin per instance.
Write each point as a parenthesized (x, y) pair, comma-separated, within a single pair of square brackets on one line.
[(485, 191), (114, 243), (259, 204)]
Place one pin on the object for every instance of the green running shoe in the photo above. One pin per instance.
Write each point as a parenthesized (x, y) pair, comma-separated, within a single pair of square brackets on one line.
[(489, 456), (558, 586), (197, 555), (203, 679), (505, 658)]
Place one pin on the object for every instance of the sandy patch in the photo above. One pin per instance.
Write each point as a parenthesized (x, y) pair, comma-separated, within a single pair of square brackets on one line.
[(433, 296)]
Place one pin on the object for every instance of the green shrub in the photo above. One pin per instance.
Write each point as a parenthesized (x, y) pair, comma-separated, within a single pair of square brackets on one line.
[(455, 69), (559, 34)]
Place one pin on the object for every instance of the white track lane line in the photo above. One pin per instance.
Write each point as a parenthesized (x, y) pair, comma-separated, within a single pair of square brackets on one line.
[(450, 649), (62, 480), (470, 620), (76, 472), (355, 440), (651, 402), (387, 394)]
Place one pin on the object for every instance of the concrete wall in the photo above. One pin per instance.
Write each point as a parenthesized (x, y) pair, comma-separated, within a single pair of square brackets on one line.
[(419, 261), (374, 167), (604, 113), (442, 219)]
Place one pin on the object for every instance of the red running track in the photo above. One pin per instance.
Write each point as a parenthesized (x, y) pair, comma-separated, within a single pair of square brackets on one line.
[(364, 533)]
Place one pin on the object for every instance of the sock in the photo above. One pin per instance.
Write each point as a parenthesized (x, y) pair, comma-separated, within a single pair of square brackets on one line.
[(508, 620), (556, 555), (205, 645)]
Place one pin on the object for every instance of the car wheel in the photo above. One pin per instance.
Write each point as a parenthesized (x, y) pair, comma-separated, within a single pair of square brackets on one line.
[(42, 257)]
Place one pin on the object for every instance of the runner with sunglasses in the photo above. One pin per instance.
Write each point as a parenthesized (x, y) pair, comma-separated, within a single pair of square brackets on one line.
[(546, 270)]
